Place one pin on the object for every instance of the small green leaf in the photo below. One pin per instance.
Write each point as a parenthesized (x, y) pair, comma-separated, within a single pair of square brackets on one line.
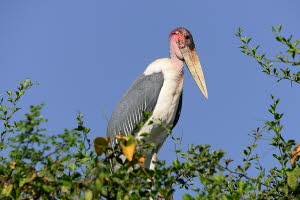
[(295, 43), (187, 197), (279, 27), (9, 92), (292, 179), (7, 190), (144, 134), (88, 195)]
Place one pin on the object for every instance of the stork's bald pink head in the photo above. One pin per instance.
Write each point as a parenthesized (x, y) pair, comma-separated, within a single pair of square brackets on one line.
[(182, 37), (182, 47)]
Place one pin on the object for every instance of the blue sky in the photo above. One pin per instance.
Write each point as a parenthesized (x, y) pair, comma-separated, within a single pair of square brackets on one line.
[(85, 54)]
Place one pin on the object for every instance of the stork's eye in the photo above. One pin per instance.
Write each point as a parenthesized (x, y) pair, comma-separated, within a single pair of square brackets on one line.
[(187, 37), (175, 33)]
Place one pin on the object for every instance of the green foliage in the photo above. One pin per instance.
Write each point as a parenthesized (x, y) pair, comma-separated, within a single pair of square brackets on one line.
[(282, 65), (35, 164)]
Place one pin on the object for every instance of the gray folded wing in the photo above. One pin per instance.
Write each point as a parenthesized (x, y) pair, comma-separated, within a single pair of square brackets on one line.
[(140, 97)]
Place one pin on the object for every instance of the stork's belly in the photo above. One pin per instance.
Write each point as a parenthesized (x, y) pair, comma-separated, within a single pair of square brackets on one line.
[(164, 112), (168, 100)]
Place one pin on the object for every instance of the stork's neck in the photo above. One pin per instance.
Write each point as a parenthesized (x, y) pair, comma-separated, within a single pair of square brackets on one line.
[(177, 64), (175, 61)]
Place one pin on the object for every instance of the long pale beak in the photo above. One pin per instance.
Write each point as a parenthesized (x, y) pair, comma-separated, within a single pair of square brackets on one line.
[(193, 63)]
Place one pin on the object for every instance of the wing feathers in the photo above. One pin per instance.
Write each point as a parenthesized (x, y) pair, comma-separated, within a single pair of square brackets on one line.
[(141, 96)]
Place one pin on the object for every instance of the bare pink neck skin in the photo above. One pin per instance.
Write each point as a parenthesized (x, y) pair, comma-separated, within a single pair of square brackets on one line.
[(176, 57)]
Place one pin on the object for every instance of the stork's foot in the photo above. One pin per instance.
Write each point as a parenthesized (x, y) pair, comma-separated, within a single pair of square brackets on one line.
[(153, 159)]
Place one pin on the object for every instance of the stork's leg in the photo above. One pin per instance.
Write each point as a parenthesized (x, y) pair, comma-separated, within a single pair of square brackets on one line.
[(153, 159)]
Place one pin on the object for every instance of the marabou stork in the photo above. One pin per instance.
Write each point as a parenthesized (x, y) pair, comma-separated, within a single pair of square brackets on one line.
[(158, 90)]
